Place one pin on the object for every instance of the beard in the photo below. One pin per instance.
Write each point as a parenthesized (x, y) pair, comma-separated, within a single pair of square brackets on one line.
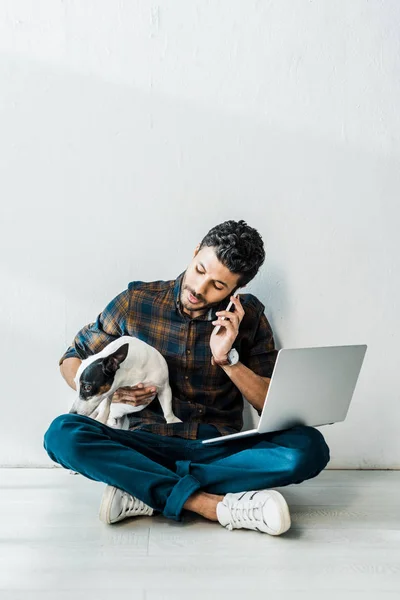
[(204, 307)]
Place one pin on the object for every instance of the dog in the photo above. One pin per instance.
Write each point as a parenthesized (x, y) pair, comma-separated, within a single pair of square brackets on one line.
[(126, 361)]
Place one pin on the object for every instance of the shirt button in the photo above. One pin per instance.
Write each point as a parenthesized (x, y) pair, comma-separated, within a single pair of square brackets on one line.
[(188, 351), (186, 377)]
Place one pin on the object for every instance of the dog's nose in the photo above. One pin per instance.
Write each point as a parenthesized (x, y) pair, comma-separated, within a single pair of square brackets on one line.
[(73, 412)]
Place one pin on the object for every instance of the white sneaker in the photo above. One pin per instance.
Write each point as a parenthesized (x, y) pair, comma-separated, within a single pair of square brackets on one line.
[(117, 505), (264, 510)]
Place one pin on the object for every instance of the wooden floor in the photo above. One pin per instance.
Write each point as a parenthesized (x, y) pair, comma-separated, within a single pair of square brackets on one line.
[(344, 543)]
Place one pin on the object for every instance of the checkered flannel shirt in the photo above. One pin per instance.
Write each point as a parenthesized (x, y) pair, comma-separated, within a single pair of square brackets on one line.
[(202, 392)]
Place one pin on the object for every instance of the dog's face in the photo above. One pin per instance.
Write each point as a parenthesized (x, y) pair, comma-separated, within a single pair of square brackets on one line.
[(96, 380)]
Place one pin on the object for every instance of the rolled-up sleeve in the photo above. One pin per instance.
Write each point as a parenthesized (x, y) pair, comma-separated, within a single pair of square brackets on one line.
[(109, 326)]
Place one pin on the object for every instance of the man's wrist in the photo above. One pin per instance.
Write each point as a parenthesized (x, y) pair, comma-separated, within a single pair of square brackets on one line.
[(230, 359), (220, 362)]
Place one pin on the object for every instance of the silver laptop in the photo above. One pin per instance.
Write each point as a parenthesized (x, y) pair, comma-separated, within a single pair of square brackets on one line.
[(309, 386)]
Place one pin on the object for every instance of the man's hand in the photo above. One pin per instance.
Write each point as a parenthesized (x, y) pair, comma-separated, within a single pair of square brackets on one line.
[(137, 395), (222, 342)]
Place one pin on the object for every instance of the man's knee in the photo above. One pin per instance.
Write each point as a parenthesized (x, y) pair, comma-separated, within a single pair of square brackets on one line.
[(312, 455), (315, 441), (63, 434)]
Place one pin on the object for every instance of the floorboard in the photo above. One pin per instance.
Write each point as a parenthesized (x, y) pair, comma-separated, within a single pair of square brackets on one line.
[(344, 543)]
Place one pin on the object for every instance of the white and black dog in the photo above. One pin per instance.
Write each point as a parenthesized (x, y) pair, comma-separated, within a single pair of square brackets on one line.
[(124, 362)]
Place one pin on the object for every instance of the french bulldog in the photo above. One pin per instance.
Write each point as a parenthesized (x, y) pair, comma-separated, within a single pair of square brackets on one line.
[(126, 361)]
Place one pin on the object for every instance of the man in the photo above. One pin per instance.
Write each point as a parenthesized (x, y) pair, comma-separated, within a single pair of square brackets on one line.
[(163, 467)]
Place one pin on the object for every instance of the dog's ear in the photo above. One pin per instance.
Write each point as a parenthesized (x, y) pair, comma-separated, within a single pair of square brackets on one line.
[(111, 363)]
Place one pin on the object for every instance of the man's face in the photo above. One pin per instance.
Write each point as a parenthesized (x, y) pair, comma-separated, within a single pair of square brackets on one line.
[(206, 280)]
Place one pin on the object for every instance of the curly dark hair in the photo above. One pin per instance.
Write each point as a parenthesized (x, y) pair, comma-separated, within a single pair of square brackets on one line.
[(238, 247)]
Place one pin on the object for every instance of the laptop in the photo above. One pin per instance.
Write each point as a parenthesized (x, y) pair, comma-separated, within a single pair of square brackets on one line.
[(309, 386)]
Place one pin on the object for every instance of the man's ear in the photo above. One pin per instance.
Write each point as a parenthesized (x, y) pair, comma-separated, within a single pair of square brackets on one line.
[(196, 250), (111, 363)]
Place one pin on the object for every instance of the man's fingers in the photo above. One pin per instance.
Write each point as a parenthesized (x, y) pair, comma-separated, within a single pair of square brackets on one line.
[(136, 389), (146, 393), (131, 388), (132, 395), (135, 402)]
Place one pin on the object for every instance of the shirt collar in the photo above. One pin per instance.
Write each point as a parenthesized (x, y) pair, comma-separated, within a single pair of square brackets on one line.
[(209, 316)]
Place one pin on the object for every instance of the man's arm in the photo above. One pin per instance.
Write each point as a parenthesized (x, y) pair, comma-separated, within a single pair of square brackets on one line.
[(253, 387), (109, 325), (252, 378), (68, 370)]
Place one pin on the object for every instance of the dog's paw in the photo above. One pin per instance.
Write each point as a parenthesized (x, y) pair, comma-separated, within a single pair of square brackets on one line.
[(102, 419), (173, 420)]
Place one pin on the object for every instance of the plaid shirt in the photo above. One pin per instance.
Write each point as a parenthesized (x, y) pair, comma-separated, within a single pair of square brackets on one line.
[(202, 392)]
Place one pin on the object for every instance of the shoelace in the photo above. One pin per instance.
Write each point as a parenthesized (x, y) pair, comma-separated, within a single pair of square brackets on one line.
[(242, 512), (132, 504)]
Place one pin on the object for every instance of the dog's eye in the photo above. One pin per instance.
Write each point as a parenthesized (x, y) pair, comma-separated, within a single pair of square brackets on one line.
[(87, 387)]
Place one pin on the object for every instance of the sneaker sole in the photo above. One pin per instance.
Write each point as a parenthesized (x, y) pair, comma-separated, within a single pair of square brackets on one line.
[(284, 511), (105, 506), (106, 501)]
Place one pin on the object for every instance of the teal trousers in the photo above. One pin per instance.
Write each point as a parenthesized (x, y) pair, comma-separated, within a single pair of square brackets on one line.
[(164, 471)]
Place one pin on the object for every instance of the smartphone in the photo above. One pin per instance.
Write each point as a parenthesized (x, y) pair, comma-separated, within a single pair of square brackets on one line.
[(229, 307)]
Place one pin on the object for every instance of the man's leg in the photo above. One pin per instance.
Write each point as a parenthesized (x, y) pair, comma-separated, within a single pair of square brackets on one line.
[(261, 462), (204, 504), (142, 464), (137, 462)]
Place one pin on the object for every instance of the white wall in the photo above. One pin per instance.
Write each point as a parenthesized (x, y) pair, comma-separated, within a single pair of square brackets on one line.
[(129, 129)]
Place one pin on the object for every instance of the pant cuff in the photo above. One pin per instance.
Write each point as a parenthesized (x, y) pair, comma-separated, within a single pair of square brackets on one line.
[(177, 498)]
